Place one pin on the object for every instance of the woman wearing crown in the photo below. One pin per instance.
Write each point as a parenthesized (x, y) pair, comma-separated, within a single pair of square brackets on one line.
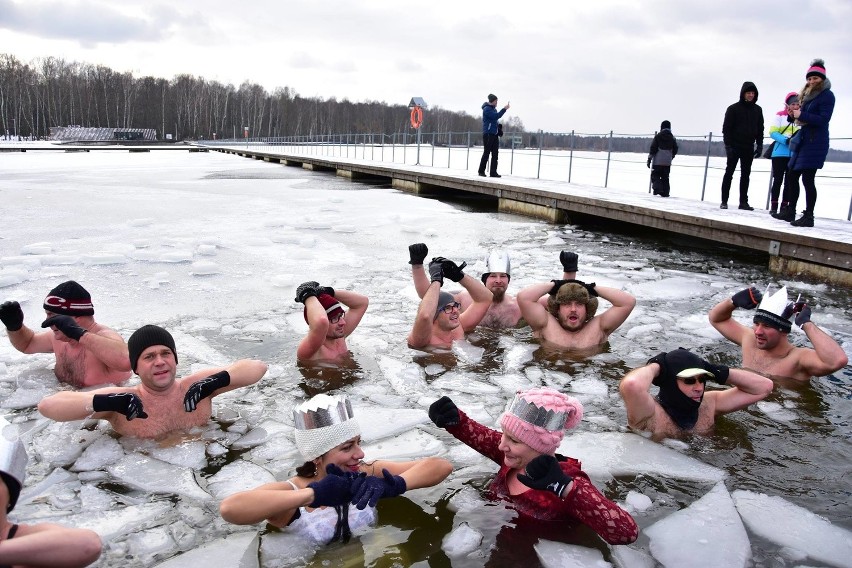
[(315, 502), (539, 482)]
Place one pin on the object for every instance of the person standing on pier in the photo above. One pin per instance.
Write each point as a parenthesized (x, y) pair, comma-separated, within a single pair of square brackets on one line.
[(742, 133), (663, 150), (766, 347), (490, 139)]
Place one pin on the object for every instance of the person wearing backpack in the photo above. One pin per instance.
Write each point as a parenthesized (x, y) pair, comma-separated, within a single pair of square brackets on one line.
[(663, 150)]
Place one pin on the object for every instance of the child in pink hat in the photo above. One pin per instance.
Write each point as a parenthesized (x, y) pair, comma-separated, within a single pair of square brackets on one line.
[(539, 482)]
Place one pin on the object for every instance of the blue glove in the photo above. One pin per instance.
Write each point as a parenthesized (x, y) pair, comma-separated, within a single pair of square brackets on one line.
[(804, 315), (125, 403), (66, 325), (204, 388), (334, 489), (368, 490), (544, 473), (747, 299)]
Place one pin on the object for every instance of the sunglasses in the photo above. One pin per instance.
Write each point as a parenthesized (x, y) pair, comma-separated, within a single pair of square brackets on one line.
[(692, 380), (450, 307)]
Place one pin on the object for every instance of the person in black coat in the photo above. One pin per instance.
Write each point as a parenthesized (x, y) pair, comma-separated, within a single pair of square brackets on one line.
[(663, 150), (742, 133)]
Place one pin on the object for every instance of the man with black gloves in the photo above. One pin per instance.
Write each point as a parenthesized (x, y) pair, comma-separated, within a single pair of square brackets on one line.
[(742, 133), (328, 323), (766, 346), (87, 353), (440, 319), (682, 404), (567, 320), (160, 404)]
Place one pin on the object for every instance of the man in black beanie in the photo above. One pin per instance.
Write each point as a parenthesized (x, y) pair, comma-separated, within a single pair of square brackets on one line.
[(87, 353), (160, 404), (682, 404), (742, 133)]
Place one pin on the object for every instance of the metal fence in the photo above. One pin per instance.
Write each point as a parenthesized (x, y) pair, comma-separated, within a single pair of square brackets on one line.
[(542, 155)]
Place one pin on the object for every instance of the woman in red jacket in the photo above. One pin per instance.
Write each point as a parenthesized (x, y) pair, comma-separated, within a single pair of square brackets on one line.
[(539, 483)]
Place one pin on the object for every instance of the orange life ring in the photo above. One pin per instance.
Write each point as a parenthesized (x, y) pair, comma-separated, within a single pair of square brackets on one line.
[(416, 117)]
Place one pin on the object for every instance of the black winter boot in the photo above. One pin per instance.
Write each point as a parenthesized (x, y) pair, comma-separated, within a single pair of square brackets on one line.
[(806, 220), (785, 214)]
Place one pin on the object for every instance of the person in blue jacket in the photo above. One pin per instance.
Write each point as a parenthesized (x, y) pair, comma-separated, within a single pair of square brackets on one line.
[(808, 154), (782, 129), (490, 140)]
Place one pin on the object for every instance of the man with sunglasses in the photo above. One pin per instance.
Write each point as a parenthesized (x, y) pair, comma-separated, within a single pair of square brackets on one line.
[(766, 347), (682, 404), (440, 319), (328, 324)]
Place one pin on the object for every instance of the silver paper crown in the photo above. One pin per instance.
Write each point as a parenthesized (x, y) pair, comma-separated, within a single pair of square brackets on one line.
[(321, 411), (498, 261), (551, 420)]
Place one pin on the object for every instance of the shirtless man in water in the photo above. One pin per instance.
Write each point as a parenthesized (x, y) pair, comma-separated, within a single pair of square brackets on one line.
[(766, 347), (160, 404), (328, 324), (440, 319), (683, 405), (87, 353), (569, 321)]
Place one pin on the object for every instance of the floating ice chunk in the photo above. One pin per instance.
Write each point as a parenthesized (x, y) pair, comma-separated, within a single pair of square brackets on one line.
[(406, 379), (30, 492), (103, 452), (457, 382), (588, 385), (266, 326), (238, 550), (149, 545), (643, 330), (794, 527), (461, 541), (261, 434), (175, 256), (37, 248), (205, 250), (344, 229), (434, 369), (237, 476), (608, 454), (554, 241), (189, 454), (638, 501), (62, 443), (215, 449), (408, 445), (517, 356), (467, 352), (628, 557), (94, 499), (204, 268), (155, 476), (12, 277), (104, 258), (776, 411), (197, 349), (203, 324), (512, 383), (560, 555), (691, 536), (677, 288), (379, 423), (28, 394), (116, 523), (283, 550)]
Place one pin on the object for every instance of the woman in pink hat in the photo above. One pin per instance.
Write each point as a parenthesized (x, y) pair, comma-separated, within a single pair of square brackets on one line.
[(539, 483)]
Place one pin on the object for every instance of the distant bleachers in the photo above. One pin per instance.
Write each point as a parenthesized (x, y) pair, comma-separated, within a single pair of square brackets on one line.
[(89, 134)]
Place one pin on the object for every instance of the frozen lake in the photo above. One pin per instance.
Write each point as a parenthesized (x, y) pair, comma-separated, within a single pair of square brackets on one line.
[(212, 247)]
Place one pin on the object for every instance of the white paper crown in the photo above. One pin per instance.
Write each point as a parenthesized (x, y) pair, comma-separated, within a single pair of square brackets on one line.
[(321, 411), (498, 261), (536, 415), (776, 303), (13, 456)]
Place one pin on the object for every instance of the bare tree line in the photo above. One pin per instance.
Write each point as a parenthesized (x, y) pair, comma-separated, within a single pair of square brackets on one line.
[(51, 91)]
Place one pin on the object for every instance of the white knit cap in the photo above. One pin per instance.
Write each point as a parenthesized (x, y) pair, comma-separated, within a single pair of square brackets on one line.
[(322, 423)]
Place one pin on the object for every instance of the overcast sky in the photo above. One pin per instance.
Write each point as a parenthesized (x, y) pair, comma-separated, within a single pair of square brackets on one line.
[(591, 66)]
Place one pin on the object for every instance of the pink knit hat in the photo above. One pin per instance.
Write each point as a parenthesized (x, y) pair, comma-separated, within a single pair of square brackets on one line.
[(539, 417)]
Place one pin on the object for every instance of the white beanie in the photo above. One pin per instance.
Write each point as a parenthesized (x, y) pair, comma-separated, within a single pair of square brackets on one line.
[(322, 423)]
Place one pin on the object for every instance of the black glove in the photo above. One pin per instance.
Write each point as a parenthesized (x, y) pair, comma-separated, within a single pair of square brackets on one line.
[(12, 315), (758, 149), (499, 129), (325, 290), (368, 490), (334, 489), (649, 161), (720, 372), (747, 299), (306, 290), (789, 310), (451, 270), (590, 288), (417, 252), (545, 474), (204, 388), (125, 403), (66, 325), (557, 284), (804, 314), (436, 272), (444, 412), (568, 260)]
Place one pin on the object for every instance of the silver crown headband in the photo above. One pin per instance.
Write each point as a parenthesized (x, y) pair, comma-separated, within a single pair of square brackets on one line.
[(338, 412), (551, 420)]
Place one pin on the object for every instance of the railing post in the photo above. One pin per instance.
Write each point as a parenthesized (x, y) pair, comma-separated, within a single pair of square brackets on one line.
[(608, 154), (512, 157), (571, 157), (449, 148), (467, 158), (433, 149), (540, 144), (706, 164)]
